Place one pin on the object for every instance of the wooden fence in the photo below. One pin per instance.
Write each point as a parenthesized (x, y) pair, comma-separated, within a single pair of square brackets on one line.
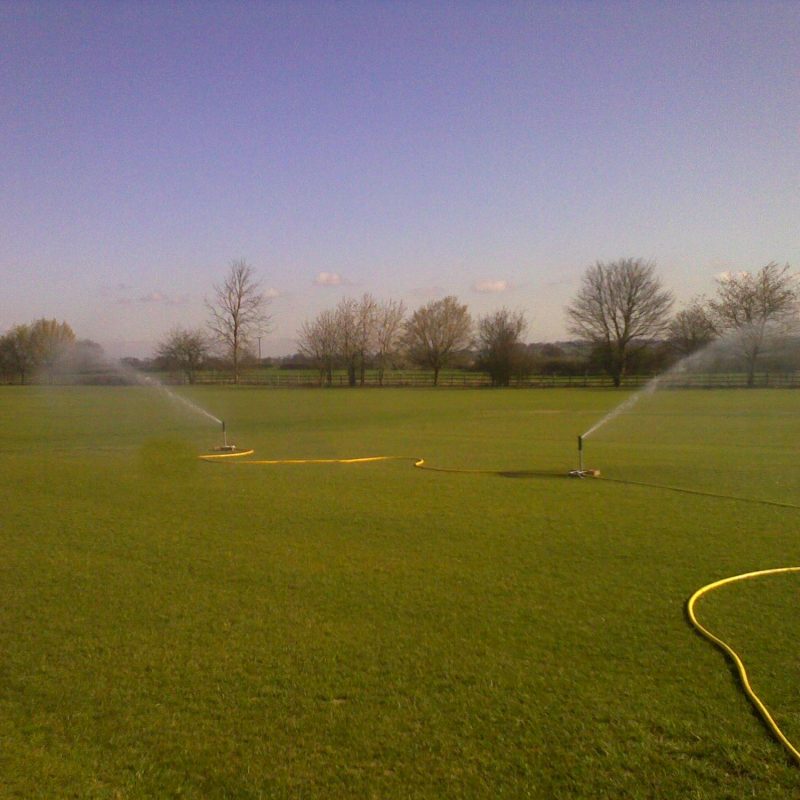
[(477, 380), (452, 379)]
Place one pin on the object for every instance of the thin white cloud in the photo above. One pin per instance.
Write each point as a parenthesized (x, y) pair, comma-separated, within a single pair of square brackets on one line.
[(163, 299), (271, 293), (152, 297), (491, 286), (330, 279)]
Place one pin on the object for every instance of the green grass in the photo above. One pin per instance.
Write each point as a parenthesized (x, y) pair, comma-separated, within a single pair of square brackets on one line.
[(172, 628)]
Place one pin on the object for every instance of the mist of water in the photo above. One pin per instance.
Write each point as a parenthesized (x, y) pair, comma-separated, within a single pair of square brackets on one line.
[(179, 400), (146, 380), (721, 354), (624, 406)]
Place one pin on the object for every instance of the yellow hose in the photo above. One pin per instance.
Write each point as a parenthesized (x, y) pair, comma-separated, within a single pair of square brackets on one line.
[(754, 698), (217, 456), (220, 456), (420, 463)]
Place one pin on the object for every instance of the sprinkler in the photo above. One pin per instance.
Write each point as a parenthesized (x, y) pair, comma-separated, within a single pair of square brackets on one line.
[(226, 448), (581, 472)]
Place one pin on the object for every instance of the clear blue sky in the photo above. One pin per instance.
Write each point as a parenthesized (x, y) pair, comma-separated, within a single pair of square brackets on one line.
[(491, 150)]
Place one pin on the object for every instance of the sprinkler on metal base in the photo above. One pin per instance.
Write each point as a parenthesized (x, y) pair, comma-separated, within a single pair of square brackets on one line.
[(225, 448), (581, 472)]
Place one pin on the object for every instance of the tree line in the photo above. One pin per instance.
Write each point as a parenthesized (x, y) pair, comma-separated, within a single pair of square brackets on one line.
[(622, 315), (623, 307), (45, 348), (364, 331), (357, 334), (622, 312)]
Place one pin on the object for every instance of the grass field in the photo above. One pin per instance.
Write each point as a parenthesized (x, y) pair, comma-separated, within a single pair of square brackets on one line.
[(174, 628)]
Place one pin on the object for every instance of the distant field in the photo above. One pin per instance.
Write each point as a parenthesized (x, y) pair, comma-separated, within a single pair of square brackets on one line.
[(174, 628)]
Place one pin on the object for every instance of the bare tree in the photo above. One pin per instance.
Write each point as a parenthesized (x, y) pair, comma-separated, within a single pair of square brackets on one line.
[(691, 329), (756, 309), (348, 336), (500, 349), (366, 322), (52, 342), (184, 350), (317, 340), (388, 328), (436, 331), (619, 306), (238, 312)]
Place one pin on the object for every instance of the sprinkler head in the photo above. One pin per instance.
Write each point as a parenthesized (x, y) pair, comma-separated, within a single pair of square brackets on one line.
[(581, 472), (225, 447)]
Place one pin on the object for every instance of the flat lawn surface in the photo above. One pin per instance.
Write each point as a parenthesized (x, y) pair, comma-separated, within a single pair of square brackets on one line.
[(174, 628)]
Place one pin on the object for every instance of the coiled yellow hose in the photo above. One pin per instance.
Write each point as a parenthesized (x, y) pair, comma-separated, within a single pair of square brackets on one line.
[(734, 656)]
